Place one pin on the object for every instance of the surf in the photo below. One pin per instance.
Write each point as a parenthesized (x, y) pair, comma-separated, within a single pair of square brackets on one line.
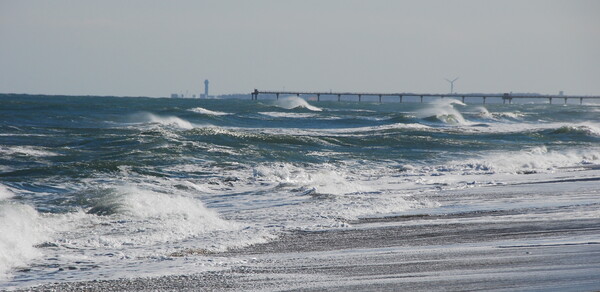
[(294, 102)]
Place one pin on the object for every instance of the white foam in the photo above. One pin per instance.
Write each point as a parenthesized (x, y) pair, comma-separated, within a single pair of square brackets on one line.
[(163, 120), (323, 181), (208, 112), (443, 110), (288, 115), (591, 129), (326, 197), (26, 151), (20, 230), (377, 128), (538, 159), (5, 193), (157, 217), (511, 115), (292, 102), (484, 113)]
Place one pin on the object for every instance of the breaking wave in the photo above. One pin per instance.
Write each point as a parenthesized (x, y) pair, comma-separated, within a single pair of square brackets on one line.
[(322, 181), (582, 129), (170, 121), (154, 217), (536, 159), (293, 102), (443, 110), (208, 112), (21, 229)]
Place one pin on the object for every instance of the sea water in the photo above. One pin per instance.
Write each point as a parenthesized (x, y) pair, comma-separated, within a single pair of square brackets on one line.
[(109, 187)]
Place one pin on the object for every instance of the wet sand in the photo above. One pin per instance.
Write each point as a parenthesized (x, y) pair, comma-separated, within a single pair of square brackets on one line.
[(406, 253)]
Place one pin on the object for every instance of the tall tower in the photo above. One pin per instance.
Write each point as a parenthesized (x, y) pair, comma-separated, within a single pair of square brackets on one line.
[(206, 88)]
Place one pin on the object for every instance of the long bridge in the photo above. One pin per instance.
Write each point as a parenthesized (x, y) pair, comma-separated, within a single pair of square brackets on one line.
[(506, 97)]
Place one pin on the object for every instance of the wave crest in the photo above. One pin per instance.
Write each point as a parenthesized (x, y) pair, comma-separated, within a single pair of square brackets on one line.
[(20, 230), (156, 217), (443, 110), (204, 111), (171, 121), (293, 102), (584, 129)]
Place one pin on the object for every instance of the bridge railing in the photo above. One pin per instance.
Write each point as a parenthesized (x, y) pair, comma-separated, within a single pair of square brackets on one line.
[(506, 97)]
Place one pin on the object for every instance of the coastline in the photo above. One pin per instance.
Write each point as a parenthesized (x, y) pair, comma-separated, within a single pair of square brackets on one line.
[(560, 255)]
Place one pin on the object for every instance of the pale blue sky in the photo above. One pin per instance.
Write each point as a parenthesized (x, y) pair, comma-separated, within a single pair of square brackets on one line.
[(154, 48)]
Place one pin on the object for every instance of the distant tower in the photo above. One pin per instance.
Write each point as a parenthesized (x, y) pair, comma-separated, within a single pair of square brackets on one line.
[(206, 88), (452, 84)]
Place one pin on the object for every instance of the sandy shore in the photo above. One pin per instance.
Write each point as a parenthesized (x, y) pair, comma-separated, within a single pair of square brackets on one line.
[(409, 253)]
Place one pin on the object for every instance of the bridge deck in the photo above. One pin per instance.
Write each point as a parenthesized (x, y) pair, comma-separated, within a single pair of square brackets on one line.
[(505, 96)]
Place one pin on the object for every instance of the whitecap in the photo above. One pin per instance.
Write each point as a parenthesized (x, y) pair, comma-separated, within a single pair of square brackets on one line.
[(155, 217), (535, 159), (323, 181), (444, 111), (288, 115), (292, 102), (21, 229), (163, 120), (208, 112)]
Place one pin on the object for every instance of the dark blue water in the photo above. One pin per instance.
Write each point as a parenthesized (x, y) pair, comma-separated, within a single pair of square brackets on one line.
[(99, 182)]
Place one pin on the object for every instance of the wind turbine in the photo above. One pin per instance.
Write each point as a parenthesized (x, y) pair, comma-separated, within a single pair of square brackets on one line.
[(452, 84)]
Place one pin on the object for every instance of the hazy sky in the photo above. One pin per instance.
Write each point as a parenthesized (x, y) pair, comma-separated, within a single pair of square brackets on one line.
[(154, 48)]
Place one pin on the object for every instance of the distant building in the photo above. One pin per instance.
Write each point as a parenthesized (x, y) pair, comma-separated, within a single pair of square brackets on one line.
[(206, 88), (561, 93)]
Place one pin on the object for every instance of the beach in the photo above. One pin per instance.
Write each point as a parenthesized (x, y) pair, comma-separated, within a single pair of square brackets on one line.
[(454, 252)]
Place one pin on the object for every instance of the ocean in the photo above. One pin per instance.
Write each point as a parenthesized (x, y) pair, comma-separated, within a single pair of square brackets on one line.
[(104, 188)]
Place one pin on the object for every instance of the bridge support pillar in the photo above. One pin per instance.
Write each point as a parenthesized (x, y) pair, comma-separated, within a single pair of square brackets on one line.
[(380, 98), (400, 98), (565, 100), (463, 99), (484, 99), (359, 97), (277, 95), (550, 100), (421, 99), (580, 100), (318, 97), (339, 97)]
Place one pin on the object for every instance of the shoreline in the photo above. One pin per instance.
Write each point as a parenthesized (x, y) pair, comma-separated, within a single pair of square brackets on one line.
[(559, 255)]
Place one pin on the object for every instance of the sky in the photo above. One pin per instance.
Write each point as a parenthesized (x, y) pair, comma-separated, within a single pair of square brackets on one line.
[(155, 48)]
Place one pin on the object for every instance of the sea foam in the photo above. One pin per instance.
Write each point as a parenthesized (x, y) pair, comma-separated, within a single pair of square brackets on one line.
[(322, 181), (292, 102), (535, 159), (155, 217), (171, 121), (26, 151), (204, 111), (5, 193), (20, 230), (444, 111)]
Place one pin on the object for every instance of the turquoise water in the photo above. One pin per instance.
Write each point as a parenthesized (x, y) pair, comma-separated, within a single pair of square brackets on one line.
[(102, 185)]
